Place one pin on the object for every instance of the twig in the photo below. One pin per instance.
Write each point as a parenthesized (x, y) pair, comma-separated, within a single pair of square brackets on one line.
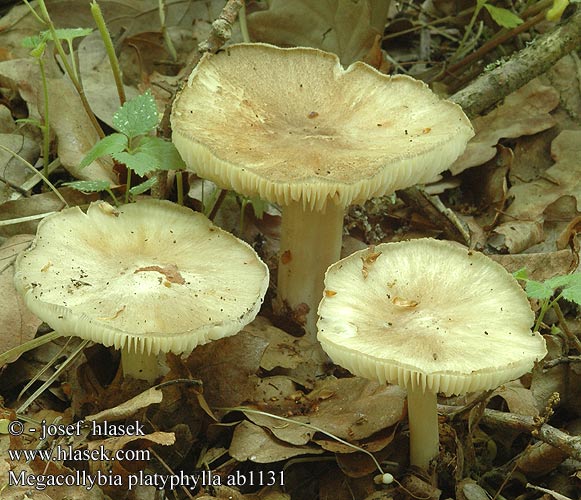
[(221, 27), (546, 433), (521, 68), (220, 33)]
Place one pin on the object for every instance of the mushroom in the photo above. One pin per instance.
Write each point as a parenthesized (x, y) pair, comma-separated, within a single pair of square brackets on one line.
[(295, 128), (430, 316), (148, 278)]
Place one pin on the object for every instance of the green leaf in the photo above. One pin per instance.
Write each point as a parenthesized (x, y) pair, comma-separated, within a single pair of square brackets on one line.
[(143, 187), (34, 41), (259, 206), (571, 285), (109, 145), (538, 290), (164, 151), (503, 17), (137, 116), (141, 163), (71, 33), (89, 186), (521, 274)]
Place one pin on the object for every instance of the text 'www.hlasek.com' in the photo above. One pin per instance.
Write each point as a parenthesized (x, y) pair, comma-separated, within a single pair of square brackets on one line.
[(63, 450)]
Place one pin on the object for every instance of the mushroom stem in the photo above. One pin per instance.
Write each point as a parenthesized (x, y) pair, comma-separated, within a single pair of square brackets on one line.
[(310, 243), (139, 365), (423, 421)]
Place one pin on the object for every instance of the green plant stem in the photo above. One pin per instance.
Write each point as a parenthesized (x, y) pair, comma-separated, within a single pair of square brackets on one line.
[(110, 49), (128, 184), (180, 186), (166, 38), (69, 70), (545, 306), (573, 339), (477, 9), (73, 60), (46, 125), (112, 195), (15, 352), (243, 23), (38, 172), (243, 204)]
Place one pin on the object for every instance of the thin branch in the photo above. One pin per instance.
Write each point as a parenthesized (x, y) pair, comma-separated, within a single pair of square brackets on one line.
[(546, 433), (521, 68), (222, 27)]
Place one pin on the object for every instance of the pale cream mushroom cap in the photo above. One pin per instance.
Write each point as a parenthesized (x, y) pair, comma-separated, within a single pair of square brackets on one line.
[(294, 125), (430, 315), (151, 276)]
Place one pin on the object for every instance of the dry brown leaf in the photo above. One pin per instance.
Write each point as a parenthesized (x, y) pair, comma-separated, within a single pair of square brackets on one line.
[(516, 236), (11, 168), (519, 399), (252, 442), (67, 116), (127, 17), (523, 226), (350, 409), (344, 27), (228, 367), (114, 444), (524, 112), (75, 133), (17, 324), (98, 82), (284, 350), (562, 179), (37, 204), (129, 408), (540, 266)]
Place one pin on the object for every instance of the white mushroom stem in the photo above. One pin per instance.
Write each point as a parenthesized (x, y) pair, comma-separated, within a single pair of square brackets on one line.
[(141, 366), (423, 421), (310, 243)]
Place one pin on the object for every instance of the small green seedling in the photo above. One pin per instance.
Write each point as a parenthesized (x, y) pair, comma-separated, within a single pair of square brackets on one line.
[(549, 292), (503, 17), (132, 146)]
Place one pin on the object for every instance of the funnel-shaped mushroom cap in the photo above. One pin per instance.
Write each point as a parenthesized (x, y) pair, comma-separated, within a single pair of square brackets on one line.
[(292, 124), (428, 314), (152, 276)]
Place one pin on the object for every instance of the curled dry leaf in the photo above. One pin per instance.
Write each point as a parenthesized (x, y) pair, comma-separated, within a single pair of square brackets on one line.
[(252, 442), (115, 444), (284, 350), (36, 205), (98, 82), (11, 168), (68, 119), (523, 226), (17, 324), (518, 398), (350, 409), (347, 28), (129, 408), (540, 266), (75, 133), (524, 112), (228, 367)]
